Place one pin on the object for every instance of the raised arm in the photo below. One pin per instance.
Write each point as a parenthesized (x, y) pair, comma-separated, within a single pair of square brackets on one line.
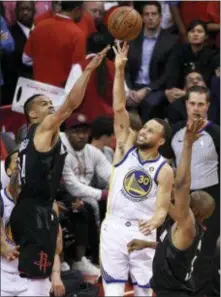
[(75, 97), (121, 117), (183, 173)]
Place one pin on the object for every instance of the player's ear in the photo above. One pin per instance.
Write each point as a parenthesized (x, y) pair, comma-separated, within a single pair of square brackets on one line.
[(32, 114), (161, 141)]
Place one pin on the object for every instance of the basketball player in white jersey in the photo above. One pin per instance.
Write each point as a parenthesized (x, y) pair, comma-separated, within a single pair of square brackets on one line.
[(139, 195), (11, 282)]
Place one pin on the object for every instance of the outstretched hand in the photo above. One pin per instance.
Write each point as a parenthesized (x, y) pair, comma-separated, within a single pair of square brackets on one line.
[(193, 129), (96, 61), (146, 227), (136, 245), (11, 254), (121, 54)]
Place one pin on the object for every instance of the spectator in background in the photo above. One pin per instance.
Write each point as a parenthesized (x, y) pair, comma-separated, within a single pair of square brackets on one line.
[(215, 94), (78, 224), (185, 12), (96, 10), (204, 176), (99, 89), (176, 110), (62, 44), (102, 136), (192, 56), (25, 12), (147, 59), (6, 43), (86, 24), (55, 8), (10, 11), (83, 163)]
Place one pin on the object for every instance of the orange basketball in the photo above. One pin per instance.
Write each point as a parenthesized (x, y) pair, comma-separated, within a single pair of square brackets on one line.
[(125, 23)]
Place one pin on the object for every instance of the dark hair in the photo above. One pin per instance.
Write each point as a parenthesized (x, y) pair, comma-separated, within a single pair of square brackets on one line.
[(96, 42), (155, 3), (18, 3), (102, 126), (167, 131), (195, 23), (9, 159), (28, 105), (2, 9), (70, 5), (200, 90), (203, 202)]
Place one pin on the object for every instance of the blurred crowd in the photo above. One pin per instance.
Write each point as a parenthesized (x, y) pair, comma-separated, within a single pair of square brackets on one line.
[(177, 50)]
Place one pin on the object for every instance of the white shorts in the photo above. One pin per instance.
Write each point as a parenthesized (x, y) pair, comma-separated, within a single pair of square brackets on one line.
[(116, 262), (14, 285)]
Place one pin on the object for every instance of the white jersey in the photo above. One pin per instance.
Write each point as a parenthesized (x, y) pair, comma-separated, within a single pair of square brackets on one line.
[(7, 207), (133, 187)]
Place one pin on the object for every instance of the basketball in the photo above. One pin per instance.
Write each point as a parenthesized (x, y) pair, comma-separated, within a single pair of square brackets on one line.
[(125, 23)]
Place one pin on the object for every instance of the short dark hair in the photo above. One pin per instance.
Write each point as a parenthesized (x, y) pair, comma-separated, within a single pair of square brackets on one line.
[(167, 131), (155, 3), (70, 5), (9, 159), (192, 71), (200, 90), (203, 202), (28, 105), (102, 126), (195, 23)]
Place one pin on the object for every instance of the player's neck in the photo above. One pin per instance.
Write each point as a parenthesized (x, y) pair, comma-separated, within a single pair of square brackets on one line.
[(11, 192), (149, 154), (97, 143)]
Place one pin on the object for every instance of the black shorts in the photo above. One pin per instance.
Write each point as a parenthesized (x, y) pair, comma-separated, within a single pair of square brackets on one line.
[(172, 293), (34, 229)]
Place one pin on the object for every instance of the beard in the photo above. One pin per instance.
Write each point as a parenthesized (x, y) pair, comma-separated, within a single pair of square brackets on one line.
[(144, 146)]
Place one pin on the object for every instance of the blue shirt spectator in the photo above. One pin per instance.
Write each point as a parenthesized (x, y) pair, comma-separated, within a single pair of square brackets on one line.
[(7, 43)]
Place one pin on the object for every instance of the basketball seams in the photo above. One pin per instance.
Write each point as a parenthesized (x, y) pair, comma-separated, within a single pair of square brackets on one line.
[(132, 27), (128, 12), (125, 24)]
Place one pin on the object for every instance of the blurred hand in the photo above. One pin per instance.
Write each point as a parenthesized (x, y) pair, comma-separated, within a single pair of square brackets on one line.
[(57, 286), (4, 35), (120, 55), (78, 204), (140, 94), (193, 129), (96, 61), (146, 227), (136, 245), (174, 94), (10, 254)]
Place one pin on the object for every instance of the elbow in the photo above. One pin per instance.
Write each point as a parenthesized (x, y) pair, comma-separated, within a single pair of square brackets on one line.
[(182, 181)]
